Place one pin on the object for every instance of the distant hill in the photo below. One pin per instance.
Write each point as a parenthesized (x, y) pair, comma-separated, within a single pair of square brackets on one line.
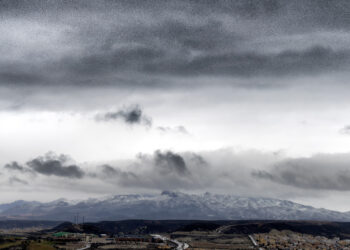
[(11, 224), (134, 227), (137, 227), (91, 228), (169, 206)]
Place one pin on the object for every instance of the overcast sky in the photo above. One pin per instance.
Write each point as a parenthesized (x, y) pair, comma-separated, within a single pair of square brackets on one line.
[(111, 97)]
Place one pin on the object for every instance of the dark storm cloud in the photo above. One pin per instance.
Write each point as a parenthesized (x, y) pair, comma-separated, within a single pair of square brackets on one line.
[(56, 166), (107, 60), (331, 12), (130, 115), (162, 49), (16, 76), (323, 171), (100, 42), (315, 59)]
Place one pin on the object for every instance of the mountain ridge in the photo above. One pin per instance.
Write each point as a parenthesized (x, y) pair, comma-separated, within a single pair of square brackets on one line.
[(169, 205)]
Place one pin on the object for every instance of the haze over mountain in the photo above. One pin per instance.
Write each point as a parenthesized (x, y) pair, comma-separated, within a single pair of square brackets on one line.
[(169, 205)]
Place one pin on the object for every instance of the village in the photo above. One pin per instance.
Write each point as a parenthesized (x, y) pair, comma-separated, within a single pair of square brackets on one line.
[(292, 240)]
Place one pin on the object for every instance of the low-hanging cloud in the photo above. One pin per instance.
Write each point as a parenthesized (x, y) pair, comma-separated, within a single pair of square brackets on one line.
[(15, 180), (14, 166), (242, 173), (160, 170), (345, 130), (130, 115), (51, 164), (322, 171), (112, 172), (170, 162)]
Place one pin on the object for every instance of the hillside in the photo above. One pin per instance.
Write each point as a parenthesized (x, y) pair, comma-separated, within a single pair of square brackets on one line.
[(139, 227), (170, 206)]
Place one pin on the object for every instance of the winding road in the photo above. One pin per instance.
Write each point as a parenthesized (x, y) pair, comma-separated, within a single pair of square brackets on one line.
[(180, 245)]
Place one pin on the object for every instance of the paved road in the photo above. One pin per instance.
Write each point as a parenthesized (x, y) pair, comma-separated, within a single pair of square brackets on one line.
[(254, 242), (180, 245), (86, 247)]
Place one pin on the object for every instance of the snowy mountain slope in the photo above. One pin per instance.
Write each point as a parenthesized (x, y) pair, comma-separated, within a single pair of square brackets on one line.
[(170, 205)]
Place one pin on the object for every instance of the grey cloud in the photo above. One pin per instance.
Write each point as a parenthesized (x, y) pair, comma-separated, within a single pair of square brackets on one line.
[(345, 130), (131, 115), (107, 60), (198, 159), (312, 60), (110, 172), (15, 166), (187, 171), (17, 76), (55, 165), (15, 180), (168, 162), (323, 171), (220, 170), (154, 49), (320, 12), (332, 13), (176, 129), (184, 38), (159, 170), (176, 56), (108, 68)]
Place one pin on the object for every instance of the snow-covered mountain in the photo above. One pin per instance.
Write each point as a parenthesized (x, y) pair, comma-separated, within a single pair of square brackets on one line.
[(170, 205)]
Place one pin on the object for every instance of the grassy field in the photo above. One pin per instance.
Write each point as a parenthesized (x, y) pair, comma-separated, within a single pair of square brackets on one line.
[(32, 245), (40, 246), (10, 244)]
